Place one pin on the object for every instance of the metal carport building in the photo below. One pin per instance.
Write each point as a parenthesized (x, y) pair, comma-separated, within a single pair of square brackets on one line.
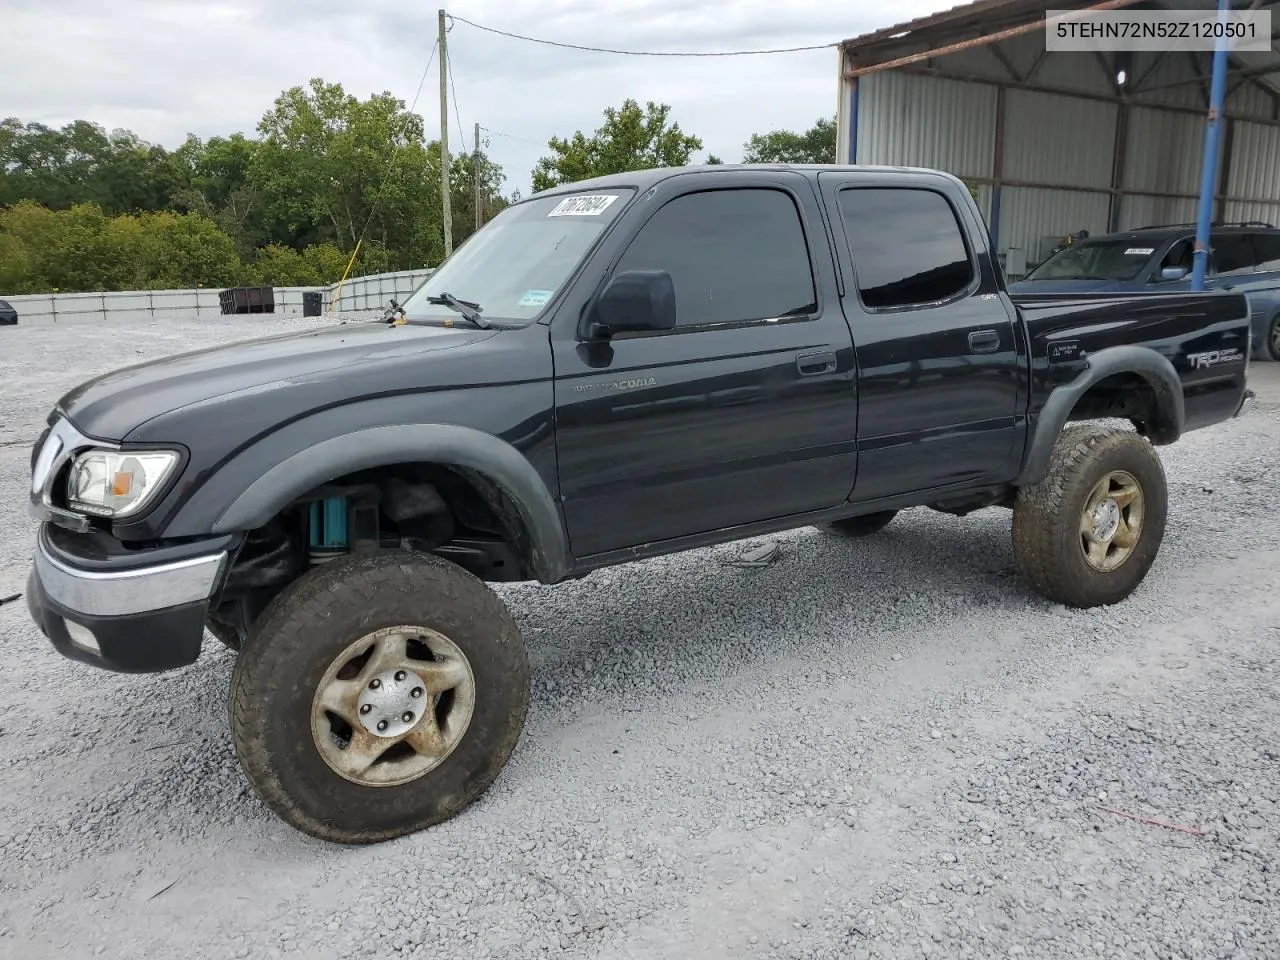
[(1055, 142)]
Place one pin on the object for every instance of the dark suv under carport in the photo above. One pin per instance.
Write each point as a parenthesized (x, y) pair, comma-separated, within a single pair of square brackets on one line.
[(1243, 257)]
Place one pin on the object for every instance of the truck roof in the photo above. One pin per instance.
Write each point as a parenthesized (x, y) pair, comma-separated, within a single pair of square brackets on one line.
[(643, 179)]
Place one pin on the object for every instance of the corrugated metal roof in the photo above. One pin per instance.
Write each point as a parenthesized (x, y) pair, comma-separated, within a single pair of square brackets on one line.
[(972, 19), (983, 18)]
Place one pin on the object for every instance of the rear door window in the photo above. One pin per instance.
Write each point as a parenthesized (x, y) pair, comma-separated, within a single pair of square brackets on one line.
[(1232, 254), (1267, 248), (907, 246)]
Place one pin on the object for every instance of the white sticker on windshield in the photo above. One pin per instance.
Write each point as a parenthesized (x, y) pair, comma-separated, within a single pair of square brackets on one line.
[(1140, 251), (534, 298), (583, 205)]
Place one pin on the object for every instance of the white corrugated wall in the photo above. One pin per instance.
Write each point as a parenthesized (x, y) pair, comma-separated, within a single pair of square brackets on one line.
[(1147, 211), (1162, 151), (1028, 215), (1058, 139), (1254, 172), (1054, 139), (926, 122)]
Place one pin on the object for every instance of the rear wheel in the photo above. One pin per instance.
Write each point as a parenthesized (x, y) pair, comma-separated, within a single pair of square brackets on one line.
[(862, 526), (1088, 533), (1273, 338), (378, 695)]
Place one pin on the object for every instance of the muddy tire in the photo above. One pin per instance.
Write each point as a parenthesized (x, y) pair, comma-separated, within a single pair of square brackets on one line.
[(862, 526), (1087, 534), (413, 662)]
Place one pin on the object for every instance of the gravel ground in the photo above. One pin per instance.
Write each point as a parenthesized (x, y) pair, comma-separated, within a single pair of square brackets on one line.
[(885, 748)]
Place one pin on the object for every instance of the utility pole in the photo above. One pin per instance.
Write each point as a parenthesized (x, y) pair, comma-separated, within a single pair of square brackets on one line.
[(444, 139), (475, 175)]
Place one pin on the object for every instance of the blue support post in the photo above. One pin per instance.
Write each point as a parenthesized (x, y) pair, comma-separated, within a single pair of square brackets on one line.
[(1212, 140)]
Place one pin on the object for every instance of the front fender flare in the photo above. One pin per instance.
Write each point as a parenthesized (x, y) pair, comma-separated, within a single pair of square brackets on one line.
[(1153, 367), (444, 444)]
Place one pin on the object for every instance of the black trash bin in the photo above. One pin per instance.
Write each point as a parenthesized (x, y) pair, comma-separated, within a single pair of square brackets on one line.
[(312, 303), (8, 315), (248, 300)]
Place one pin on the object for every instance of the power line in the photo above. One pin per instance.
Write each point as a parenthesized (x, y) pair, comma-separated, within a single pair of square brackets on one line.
[(512, 136), (386, 177), (643, 53), (457, 114)]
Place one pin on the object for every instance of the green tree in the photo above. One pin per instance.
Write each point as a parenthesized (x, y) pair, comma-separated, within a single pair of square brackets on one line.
[(82, 163), (330, 163), (815, 145), (317, 265), (187, 250), (81, 248), (463, 173), (219, 186), (631, 138)]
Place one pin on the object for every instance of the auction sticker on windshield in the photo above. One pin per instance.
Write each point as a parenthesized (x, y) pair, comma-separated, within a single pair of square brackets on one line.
[(534, 298), (583, 205)]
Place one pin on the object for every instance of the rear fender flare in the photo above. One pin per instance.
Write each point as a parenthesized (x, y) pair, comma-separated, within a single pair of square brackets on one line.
[(445, 444), (1153, 367)]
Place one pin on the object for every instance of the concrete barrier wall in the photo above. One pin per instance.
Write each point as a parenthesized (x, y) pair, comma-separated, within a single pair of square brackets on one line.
[(358, 295), (368, 294)]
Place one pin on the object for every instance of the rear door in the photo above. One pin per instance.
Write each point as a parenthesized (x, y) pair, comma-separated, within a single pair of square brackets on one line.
[(941, 370)]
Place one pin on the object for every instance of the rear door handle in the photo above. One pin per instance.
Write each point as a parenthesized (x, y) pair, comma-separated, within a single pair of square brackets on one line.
[(984, 341), (813, 364)]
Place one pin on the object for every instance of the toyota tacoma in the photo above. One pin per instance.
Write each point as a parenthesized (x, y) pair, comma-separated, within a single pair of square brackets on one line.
[(608, 371)]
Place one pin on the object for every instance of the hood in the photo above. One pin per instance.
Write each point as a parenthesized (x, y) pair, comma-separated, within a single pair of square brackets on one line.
[(111, 406), (1068, 286)]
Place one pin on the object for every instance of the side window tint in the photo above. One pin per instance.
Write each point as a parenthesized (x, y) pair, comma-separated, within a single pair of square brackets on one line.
[(733, 255), (1232, 254), (906, 244), (1267, 246)]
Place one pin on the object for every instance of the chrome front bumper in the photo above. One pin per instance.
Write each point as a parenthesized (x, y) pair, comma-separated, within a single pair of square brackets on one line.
[(123, 613), (121, 593)]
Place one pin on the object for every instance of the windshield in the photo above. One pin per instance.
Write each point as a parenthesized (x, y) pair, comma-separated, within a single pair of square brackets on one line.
[(1121, 259), (518, 261)]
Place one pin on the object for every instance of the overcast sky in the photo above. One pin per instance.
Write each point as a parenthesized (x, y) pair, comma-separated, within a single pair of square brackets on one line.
[(165, 68)]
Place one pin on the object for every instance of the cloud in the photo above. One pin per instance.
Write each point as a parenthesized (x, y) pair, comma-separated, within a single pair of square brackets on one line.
[(166, 68)]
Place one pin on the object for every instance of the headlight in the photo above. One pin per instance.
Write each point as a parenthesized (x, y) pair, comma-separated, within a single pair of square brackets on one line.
[(112, 483)]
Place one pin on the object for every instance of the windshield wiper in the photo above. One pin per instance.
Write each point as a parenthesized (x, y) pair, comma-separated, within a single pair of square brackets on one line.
[(469, 310)]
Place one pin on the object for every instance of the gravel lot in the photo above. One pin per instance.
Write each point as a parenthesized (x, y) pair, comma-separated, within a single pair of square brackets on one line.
[(886, 748)]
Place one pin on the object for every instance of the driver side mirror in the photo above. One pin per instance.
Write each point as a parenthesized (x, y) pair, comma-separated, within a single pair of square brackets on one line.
[(1172, 273), (635, 300)]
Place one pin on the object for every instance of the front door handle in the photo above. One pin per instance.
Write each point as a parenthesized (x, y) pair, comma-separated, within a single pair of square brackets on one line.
[(984, 341), (813, 364)]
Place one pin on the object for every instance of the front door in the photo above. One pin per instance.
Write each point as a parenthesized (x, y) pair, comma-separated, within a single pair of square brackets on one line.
[(746, 410), (941, 369)]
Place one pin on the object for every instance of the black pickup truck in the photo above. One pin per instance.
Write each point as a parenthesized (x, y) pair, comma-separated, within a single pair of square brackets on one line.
[(607, 371)]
